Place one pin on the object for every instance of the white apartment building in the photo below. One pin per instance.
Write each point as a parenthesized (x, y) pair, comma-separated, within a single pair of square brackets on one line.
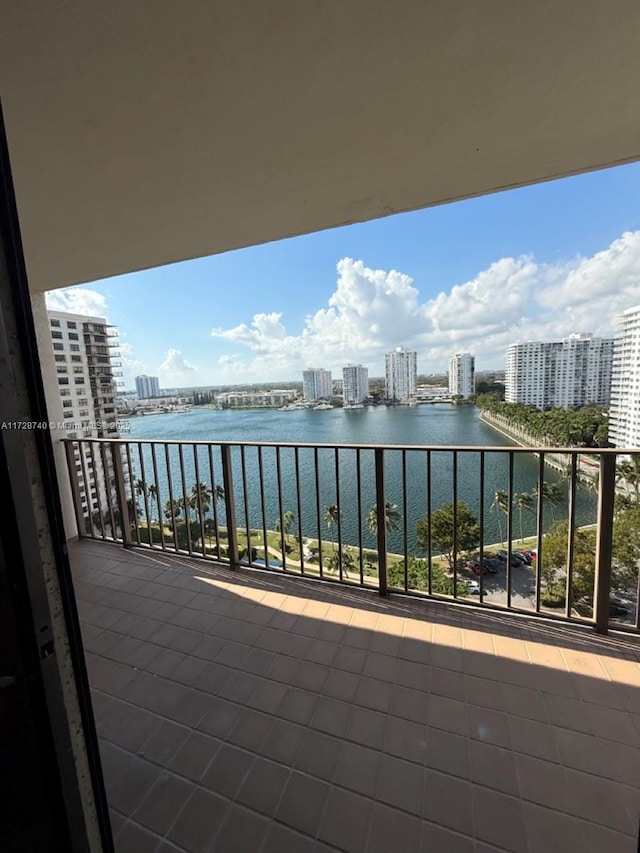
[(560, 374), (401, 374), (255, 399), (624, 413), (462, 374), (355, 384), (147, 387), (83, 352), (316, 384)]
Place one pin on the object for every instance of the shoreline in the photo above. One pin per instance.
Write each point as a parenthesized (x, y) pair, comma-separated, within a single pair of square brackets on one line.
[(550, 459)]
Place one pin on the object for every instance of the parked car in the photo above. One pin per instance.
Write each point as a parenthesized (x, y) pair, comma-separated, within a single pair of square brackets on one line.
[(490, 564), (474, 587), (525, 556), (474, 565), (515, 561)]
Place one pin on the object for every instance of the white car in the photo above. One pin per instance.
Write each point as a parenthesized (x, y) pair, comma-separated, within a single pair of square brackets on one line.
[(474, 587)]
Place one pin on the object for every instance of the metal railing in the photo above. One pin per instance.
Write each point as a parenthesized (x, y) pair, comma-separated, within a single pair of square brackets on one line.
[(492, 526)]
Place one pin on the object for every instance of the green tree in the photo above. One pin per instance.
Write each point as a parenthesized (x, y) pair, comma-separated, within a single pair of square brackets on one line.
[(523, 501), (417, 577), (173, 509), (500, 505), (552, 496), (200, 498), (554, 557), (331, 518), (287, 521), (626, 548), (140, 487), (467, 530), (628, 474), (338, 558), (391, 517)]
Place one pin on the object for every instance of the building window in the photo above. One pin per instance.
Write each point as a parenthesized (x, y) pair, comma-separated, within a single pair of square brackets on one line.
[(55, 323), (73, 336), (71, 325), (63, 380), (67, 414), (74, 347), (67, 403), (56, 334), (58, 346), (60, 357), (76, 358), (79, 380)]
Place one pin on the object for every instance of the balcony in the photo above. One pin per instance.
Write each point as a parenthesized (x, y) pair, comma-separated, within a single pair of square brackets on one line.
[(252, 711), (346, 697)]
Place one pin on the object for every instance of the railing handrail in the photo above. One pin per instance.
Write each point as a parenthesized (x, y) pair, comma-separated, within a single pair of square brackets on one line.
[(433, 448), (117, 510)]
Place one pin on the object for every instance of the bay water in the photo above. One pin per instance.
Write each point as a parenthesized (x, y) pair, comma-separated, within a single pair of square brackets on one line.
[(339, 474)]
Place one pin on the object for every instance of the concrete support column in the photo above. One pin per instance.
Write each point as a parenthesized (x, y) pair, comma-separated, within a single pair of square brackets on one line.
[(54, 408)]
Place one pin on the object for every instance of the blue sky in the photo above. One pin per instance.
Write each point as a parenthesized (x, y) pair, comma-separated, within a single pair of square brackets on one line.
[(533, 263)]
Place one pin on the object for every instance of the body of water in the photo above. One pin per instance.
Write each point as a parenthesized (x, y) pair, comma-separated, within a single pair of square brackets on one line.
[(340, 472)]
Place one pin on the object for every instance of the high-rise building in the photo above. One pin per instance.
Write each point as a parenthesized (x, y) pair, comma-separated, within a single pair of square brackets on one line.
[(147, 387), (462, 382), (316, 384), (624, 413), (401, 374), (355, 384), (560, 374), (84, 353)]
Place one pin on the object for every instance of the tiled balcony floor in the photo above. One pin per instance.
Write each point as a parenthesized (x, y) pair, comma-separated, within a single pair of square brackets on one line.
[(255, 713)]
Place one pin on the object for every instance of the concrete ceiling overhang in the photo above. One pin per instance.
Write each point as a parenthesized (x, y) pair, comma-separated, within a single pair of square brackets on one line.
[(143, 133)]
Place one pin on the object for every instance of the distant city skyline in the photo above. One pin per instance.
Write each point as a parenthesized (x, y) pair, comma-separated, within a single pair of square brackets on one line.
[(535, 263)]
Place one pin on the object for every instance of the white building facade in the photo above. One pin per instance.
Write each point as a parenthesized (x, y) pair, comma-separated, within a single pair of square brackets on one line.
[(255, 399), (401, 374), (624, 413), (462, 375), (316, 384), (355, 384), (147, 387), (560, 374), (84, 353)]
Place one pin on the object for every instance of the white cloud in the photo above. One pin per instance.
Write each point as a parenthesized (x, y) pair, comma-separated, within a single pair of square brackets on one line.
[(77, 300), (514, 299), (175, 365)]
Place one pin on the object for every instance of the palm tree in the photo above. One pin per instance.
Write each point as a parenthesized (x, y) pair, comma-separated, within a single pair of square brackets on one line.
[(172, 509), (200, 497), (500, 504), (338, 558), (331, 517), (523, 501), (628, 471), (152, 492), (552, 495), (287, 521), (140, 487), (391, 517)]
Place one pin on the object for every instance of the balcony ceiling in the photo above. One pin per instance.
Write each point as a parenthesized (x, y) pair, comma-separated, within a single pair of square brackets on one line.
[(143, 134)]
